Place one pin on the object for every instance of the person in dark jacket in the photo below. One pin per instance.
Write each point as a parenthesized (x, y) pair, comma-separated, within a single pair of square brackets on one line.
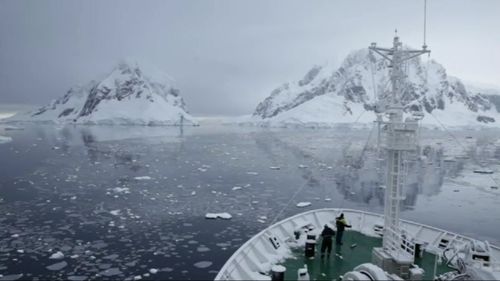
[(326, 244), (341, 224)]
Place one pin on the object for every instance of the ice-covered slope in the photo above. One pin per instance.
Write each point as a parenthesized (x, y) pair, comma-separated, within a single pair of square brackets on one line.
[(131, 94), (328, 95)]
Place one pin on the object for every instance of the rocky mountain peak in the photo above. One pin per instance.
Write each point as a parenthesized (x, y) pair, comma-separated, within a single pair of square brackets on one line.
[(130, 88)]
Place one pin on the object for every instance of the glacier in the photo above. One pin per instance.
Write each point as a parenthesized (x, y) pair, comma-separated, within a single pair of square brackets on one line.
[(132, 94)]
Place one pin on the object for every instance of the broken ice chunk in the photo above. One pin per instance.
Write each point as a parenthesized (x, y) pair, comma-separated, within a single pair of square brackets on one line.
[(203, 264), (57, 266), (303, 204), (224, 216), (57, 256), (153, 271)]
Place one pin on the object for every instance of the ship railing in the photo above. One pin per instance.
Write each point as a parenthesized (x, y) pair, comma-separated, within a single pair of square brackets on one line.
[(399, 243), (494, 265)]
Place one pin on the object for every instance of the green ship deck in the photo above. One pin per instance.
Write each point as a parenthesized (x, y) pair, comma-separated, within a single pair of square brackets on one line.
[(345, 258)]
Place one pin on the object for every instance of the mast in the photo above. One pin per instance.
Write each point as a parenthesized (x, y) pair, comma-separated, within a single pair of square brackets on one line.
[(399, 137)]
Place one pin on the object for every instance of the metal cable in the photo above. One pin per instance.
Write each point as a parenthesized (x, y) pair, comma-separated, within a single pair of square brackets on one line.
[(459, 143), (302, 187)]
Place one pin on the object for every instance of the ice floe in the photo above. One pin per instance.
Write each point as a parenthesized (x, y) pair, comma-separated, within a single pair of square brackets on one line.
[(110, 272), (13, 128), (11, 277), (124, 190), (303, 204), (224, 216), (4, 139), (153, 270), (77, 278), (203, 264), (57, 256), (57, 266)]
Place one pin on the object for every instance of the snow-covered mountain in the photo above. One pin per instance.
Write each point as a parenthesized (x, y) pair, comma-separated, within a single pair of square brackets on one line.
[(131, 94), (328, 95)]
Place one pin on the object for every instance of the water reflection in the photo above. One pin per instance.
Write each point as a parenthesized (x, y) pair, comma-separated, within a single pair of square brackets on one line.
[(361, 177)]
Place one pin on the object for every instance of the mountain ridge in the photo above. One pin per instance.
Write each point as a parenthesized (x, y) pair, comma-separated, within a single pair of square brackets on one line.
[(352, 86)]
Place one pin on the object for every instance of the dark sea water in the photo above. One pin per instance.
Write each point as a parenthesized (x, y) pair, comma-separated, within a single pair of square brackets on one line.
[(122, 202)]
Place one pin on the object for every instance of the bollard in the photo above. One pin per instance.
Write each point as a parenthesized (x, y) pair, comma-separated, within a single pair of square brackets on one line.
[(310, 247), (278, 273), (418, 251)]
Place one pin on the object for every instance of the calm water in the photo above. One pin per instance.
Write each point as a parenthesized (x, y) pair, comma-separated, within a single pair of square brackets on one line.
[(120, 202)]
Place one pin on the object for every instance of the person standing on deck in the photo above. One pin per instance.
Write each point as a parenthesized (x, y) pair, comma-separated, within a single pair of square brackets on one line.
[(341, 225), (326, 244)]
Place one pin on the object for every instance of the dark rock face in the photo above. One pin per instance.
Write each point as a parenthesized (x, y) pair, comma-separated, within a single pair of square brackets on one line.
[(266, 109), (129, 82), (310, 76), (495, 100), (485, 119), (66, 112)]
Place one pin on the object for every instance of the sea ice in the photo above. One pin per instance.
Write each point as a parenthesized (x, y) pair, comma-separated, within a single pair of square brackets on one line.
[(125, 190), (77, 278), (4, 139), (303, 204), (202, 249), (57, 266), (225, 216), (203, 264), (111, 257), (110, 272), (57, 256), (153, 270), (11, 277), (13, 128)]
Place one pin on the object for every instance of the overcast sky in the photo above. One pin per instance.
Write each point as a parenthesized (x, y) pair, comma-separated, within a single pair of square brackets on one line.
[(227, 55)]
